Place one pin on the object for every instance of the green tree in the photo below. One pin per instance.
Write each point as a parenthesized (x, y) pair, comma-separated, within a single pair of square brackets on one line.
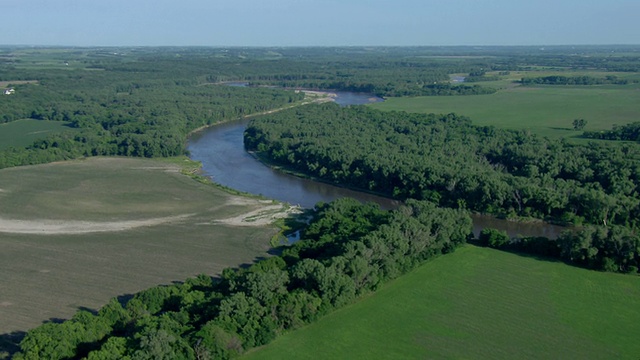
[(579, 124)]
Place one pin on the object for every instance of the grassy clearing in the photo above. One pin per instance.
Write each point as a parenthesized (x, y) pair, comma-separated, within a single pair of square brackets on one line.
[(23, 133), (480, 304), (50, 275), (544, 110), (7, 84)]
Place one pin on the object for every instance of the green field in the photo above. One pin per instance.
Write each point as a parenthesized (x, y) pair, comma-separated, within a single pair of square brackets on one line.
[(544, 110), (75, 234), (23, 133), (479, 303)]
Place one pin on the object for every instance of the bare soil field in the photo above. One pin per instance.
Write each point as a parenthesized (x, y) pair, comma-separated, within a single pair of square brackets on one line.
[(76, 234)]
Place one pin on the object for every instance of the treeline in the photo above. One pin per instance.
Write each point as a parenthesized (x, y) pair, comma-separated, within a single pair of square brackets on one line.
[(629, 132), (605, 248), (385, 74), (118, 115), (573, 80), (348, 250), (143, 102), (481, 75), (444, 158)]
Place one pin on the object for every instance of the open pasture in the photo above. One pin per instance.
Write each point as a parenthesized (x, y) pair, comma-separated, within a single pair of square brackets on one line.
[(512, 79), (75, 234), (543, 110), (23, 133), (480, 303)]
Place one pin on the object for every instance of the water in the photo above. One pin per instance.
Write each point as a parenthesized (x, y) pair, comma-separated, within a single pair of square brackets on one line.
[(220, 148)]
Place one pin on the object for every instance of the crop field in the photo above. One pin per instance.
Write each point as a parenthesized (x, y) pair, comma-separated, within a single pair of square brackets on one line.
[(479, 303), (75, 234), (23, 133), (544, 110), (64, 58)]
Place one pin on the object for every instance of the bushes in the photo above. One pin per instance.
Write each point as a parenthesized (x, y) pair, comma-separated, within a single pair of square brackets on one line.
[(493, 238), (613, 248)]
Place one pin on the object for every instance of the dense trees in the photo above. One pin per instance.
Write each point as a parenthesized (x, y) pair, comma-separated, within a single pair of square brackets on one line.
[(629, 132), (607, 248), (348, 250), (573, 80), (150, 119), (143, 101), (146, 102), (446, 159), (579, 124)]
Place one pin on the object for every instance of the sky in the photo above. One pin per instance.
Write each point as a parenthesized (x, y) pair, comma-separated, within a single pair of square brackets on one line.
[(318, 23)]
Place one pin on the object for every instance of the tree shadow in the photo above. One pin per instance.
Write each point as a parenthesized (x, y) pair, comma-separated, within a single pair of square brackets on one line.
[(561, 128), (124, 299), (521, 253), (89, 310), (10, 343)]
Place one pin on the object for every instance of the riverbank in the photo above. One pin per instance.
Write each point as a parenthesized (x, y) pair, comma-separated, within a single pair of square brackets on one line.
[(224, 159), (313, 97)]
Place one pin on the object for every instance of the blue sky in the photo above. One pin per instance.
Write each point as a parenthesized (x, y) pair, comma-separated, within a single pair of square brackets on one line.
[(318, 23)]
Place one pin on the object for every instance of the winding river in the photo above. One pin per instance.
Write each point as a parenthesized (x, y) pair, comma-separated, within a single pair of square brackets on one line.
[(220, 148)]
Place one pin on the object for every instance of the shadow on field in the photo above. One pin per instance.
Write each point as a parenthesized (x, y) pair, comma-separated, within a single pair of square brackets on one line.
[(539, 257), (10, 344), (89, 310), (124, 299)]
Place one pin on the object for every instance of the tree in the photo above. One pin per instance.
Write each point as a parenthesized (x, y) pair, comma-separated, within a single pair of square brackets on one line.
[(579, 124), (493, 238)]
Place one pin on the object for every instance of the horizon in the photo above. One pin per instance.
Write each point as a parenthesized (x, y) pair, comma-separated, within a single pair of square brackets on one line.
[(475, 46)]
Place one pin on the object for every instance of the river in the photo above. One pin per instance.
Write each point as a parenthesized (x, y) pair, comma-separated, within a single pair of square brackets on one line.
[(220, 148)]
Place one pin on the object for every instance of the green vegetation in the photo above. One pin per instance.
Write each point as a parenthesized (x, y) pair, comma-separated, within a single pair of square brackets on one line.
[(348, 250), (22, 133), (59, 222), (117, 114), (480, 303), (448, 160), (613, 248), (573, 80), (629, 132), (547, 111)]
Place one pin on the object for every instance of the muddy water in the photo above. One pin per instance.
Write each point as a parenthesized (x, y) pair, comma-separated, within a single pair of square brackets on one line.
[(220, 149)]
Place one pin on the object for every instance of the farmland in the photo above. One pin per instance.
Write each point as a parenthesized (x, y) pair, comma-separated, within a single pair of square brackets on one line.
[(75, 234), (480, 303), (23, 133), (544, 110)]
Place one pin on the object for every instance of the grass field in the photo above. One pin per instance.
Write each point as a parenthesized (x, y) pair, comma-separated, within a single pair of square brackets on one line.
[(479, 303), (544, 110), (23, 133), (75, 234)]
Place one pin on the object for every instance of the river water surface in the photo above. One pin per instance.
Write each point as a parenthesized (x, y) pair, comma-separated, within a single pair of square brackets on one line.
[(220, 148)]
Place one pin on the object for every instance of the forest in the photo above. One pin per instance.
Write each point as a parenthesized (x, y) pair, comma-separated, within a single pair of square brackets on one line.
[(145, 103), (573, 80), (629, 132), (445, 159)]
